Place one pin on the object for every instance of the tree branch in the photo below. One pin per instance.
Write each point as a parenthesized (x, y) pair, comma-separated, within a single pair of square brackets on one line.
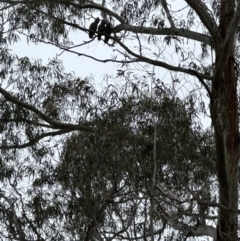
[(17, 120), (99, 7), (202, 11), (165, 31), (208, 20), (44, 117), (163, 64), (34, 140), (169, 16), (140, 29)]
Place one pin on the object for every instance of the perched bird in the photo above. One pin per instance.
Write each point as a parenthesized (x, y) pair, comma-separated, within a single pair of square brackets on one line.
[(108, 31), (101, 29), (93, 27)]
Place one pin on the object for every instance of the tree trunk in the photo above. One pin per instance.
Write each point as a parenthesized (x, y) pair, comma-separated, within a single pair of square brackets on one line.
[(224, 113)]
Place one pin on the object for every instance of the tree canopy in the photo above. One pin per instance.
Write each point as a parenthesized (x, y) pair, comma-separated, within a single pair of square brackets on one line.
[(131, 160)]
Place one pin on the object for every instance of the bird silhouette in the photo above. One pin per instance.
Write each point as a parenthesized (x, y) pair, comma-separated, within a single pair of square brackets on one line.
[(101, 29), (93, 27), (108, 31)]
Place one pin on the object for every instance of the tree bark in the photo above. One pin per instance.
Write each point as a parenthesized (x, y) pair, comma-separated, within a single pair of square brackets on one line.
[(224, 113)]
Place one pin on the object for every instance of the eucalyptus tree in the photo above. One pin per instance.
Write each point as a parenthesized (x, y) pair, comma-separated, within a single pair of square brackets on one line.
[(136, 174), (36, 98)]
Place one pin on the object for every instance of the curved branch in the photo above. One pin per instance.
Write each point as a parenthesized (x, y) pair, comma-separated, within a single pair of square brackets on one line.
[(203, 12), (44, 117), (85, 55), (99, 7), (140, 58), (17, 120), (163, 64), (34, 140), (201, 80), (101, 60)]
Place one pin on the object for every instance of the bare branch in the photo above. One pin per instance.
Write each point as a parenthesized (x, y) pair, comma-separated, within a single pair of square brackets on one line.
[(165, 31), (169, 16)]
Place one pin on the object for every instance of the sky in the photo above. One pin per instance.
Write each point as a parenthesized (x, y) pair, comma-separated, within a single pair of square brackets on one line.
[(82, 66), (86, 67)]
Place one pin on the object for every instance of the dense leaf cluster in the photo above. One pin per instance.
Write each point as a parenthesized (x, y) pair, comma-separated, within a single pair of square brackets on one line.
[(127, 162)]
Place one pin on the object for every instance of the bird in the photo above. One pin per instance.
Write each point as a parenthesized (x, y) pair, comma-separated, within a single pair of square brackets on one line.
[(93, 27), (101, 29), (108, 31)]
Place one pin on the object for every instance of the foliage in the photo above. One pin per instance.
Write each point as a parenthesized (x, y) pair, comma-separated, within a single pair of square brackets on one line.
[(132, 160), (107, 177)]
